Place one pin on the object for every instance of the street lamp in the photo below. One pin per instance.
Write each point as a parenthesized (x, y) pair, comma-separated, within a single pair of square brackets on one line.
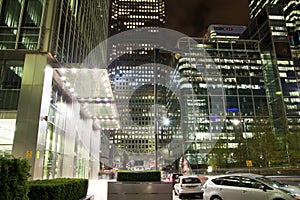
[(165, 122), (236, 122)]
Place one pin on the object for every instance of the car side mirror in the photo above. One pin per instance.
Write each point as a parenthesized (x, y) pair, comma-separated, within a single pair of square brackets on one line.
[(263, 188)]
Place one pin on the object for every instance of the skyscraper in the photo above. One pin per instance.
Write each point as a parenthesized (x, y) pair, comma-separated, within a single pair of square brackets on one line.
[(132, 75), (132, 14), (41, 118), (272, 26), (291, 10)]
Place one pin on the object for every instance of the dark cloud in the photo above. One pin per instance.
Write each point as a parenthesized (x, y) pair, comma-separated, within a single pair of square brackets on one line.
[(192, 17)]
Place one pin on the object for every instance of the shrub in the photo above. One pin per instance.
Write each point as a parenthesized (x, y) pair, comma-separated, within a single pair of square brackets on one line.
[(151, 175), (13, 178), (56, 189)]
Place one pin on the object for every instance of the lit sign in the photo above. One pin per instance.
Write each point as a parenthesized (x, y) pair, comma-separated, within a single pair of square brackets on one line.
[(224, 29), (232, 110), (28, 154)]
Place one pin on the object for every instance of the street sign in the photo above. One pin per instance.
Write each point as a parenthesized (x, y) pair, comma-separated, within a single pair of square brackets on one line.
[(28, 154), (249, 163)]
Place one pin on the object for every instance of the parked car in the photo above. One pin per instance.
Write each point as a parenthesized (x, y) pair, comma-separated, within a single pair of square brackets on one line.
[(246, 187), (188, 185)]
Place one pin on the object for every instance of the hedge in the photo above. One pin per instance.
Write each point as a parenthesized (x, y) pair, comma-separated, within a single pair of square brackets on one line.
[(144, 176), (13, 178), (57, 189)]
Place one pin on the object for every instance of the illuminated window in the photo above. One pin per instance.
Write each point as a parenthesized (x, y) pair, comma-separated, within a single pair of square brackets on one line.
[(282, 74), (276, 17), (279, 33)]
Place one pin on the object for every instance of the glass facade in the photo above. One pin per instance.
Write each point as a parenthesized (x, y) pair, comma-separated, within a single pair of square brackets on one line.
[(244, 100), (11, 77), (280, 71), (26, 37), (73, 28), (291, 12), (290, 8), (11, 72), (36, 35)]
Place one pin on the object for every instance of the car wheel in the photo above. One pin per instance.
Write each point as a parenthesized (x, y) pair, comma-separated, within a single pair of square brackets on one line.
[(180, 196), (215, 198)]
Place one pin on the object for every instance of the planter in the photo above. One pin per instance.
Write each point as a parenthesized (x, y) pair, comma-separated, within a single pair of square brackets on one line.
[(129, 190)]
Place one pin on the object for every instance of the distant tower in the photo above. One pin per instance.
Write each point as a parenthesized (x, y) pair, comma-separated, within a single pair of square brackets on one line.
[(126, 15), (131, 74)]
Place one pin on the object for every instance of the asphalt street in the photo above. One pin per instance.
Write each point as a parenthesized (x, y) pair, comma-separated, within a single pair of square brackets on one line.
[(98, 188)]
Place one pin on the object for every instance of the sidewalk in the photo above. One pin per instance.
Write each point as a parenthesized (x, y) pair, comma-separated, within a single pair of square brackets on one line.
[(98, 188)]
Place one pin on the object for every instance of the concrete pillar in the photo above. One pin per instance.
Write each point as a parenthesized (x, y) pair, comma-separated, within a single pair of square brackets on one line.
[(34, 101)]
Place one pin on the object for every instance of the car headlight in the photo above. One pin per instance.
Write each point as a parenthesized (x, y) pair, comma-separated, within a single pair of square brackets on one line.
[(296, 196)]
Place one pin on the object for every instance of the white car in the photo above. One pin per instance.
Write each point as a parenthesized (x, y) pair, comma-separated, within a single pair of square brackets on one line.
[(187, 185), (246, 187)]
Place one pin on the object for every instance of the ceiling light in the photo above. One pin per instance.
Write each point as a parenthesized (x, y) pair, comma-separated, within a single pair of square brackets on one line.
[(63, 70), (74, 70)]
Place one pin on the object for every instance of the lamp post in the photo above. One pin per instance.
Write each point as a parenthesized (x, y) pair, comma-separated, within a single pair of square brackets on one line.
[(155, 110), (236, 122), (247, 148), (165, 122)]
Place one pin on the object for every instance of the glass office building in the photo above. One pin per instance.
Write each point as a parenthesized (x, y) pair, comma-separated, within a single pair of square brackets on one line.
[(262, 103), (291, 11), (240, 102), (41, 117), (280, 64)]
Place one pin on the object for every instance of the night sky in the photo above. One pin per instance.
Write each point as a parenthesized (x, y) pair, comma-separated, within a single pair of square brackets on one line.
[(192, 17)]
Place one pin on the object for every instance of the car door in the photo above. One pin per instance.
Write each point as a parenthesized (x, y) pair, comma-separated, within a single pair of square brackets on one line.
[(228, 187), (253, 189)]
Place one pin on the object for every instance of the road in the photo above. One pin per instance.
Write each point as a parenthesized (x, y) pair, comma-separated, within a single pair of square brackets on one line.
[(191, 198), (98, 188)]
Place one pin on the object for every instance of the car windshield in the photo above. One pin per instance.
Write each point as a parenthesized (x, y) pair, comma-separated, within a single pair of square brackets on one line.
[(271, 182), (190, 180)]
